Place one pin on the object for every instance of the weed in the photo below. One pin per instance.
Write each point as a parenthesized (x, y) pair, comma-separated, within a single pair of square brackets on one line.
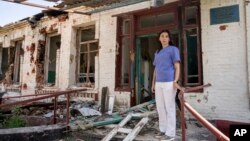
[(15, 120)]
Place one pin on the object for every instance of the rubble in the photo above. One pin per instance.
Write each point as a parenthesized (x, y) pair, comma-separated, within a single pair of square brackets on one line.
[(86, 121)]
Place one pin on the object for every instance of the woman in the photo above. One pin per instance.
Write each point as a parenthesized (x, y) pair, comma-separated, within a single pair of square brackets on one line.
[(165, 79)]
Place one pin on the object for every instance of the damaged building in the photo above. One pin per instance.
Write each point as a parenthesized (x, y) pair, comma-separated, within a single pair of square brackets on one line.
[(111, 43)]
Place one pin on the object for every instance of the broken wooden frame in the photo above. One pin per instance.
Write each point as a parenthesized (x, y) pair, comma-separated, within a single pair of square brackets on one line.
[(48, 95), (200, 118)]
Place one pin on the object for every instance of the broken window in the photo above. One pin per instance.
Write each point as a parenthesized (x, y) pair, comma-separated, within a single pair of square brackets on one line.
[(87, 52), (16, 77), (10, 63), (54, 45)]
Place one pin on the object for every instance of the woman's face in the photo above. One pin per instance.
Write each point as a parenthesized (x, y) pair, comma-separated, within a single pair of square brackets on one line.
[(164, 38)]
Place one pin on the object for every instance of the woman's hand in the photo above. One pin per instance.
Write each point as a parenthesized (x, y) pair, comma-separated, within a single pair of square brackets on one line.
[(153, 88), (177, 86)]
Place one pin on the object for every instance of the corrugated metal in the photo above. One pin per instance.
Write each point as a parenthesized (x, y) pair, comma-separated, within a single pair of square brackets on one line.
[(97, 5), (88, 3)]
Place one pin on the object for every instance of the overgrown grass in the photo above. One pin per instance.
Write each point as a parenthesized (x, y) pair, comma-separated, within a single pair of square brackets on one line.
[(15, 120)]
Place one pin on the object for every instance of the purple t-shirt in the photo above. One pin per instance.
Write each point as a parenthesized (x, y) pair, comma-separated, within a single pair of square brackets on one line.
[(164, 63)]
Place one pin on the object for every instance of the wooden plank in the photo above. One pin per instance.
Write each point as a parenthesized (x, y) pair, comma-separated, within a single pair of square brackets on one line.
[(115, 130), (136, 130), (124, 130)]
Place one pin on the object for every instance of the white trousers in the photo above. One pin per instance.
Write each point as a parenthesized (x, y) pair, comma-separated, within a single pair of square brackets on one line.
[(165, 103)]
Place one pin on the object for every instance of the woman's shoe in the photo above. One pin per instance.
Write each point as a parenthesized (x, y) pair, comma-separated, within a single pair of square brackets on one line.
[(166, 138), (159, 135)]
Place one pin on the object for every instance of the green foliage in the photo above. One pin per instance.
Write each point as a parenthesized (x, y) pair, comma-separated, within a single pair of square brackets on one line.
[(15, 120)]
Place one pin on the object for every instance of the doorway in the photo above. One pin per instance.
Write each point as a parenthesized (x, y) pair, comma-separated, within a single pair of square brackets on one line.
[(146, 46)]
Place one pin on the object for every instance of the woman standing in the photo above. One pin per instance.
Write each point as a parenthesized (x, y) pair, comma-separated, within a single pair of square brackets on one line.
[(165, 78)]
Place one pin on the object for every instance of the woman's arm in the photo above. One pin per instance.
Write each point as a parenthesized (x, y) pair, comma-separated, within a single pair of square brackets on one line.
[(177, 71), (177, 76)]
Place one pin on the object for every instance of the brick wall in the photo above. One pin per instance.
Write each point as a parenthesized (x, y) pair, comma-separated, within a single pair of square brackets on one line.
[(224, 66)]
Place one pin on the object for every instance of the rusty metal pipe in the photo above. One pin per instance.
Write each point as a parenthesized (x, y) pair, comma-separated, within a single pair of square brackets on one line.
[(200, 118), (183, 127), (26, 95), (55, 94), (67, 106), (191, 89), (206, 123), (55, 108), (41, 98)]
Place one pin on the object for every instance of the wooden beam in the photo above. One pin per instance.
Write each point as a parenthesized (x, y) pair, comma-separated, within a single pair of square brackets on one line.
[(45, 7)]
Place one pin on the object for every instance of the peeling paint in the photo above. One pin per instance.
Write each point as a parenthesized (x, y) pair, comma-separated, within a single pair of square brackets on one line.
[(213, 108), (205, 97), (52, 28), (24, 86), (62, 18), (42, 30), (199, 101), (33, 70), (223, 27), (40, 63), (32, 50)]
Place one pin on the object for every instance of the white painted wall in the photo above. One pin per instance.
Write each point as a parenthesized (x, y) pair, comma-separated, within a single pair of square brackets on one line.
[(224, 66), (247, 12)]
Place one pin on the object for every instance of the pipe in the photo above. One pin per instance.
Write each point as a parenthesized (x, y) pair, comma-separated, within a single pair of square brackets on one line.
[(41, 98), (206, 123), (55, 109), (183, 127), (46, 7), (200, 118), (191, 89), (26, 95), (67, 106)]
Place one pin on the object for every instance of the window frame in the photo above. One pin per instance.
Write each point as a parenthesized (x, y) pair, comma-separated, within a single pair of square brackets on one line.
[(120, 36), (86, 75), (16, 72), (88, 42), (186, 27)]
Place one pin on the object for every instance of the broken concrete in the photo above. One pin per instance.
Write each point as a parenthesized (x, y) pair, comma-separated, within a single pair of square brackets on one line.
[(37, 133)]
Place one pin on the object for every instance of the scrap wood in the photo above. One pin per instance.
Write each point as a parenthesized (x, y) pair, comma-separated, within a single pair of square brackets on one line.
[(136, 107), (115, 119), (99, 123), (132, 133)]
